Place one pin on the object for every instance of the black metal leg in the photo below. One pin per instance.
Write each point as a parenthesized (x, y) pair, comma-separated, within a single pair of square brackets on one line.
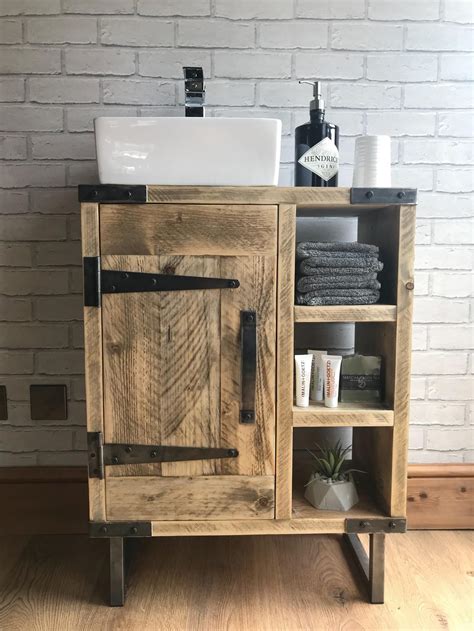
[(371, 566), (117, 572)]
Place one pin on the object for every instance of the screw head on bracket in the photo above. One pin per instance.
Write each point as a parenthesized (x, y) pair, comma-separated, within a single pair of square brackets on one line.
[(153, 454), (401, 194), (369, 194), (364, 524), (410, 285), (233, 284), (115, 460), (133, 530), (233, 453), (392, 525), (104, 529), (128, 450)]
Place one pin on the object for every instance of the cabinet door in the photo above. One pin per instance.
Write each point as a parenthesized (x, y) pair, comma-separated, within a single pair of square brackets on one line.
[(173, 360)]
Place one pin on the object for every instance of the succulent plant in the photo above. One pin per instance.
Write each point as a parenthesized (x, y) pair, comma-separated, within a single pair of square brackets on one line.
[(330, 465)]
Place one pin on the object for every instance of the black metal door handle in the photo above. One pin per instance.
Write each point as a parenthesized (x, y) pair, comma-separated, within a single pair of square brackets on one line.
[(248, 347)]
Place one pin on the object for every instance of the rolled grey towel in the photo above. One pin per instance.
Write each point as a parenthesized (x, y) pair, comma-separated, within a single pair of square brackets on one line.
[(313, 299), (362, 262), (310, 248), (356, 281)]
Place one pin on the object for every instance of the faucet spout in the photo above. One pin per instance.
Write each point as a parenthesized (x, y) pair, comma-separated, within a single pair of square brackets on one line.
[(194, 91)]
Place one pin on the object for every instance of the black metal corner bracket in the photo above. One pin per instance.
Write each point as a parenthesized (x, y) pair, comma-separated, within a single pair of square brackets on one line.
[(120, 529), (112, 193), (382, 524), (383, 195)]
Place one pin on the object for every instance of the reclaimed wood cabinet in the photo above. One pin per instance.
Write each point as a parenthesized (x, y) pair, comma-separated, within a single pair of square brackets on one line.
[(189, 340)]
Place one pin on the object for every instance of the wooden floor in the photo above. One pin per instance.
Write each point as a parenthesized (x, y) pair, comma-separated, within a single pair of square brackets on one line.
[(59, 583)]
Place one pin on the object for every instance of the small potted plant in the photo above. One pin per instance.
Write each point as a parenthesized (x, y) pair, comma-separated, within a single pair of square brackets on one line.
[(331, 486)]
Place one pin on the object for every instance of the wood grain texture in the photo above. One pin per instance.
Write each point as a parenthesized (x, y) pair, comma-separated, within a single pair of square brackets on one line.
[(441, 502), (441, 470), (236, 583), (346, 414), (346, 313), (195, 229), (285, 333), (206, 497), (93, 356)]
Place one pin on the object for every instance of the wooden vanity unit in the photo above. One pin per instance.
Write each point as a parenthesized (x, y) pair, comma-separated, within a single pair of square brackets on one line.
[(189, 340)]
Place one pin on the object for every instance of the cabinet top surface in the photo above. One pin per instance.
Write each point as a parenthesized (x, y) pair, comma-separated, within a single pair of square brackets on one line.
[(299, 196)]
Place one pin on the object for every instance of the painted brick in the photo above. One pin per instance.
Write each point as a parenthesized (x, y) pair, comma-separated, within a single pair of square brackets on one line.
[(418, 388), (57, 201), (214, 34), (350, 122), (99, 6), (449, 440), (450, 388), (450, 232), (30, 336), (82, 172), (64, 90), (16, 176), (100, 61), (458, 11), (403, 10), (401, 123), (419, 337), (365, 96), (168, 64), (16, 363), (60, 362), (423, 231), (329, 66), (445, 205), (440, 96), (13, 202), (367, 37), (59, 146), (12, 90), (439, 37), (77, 331), (249, 9), (141, 92), (235, 93), (402, 67), (440, 310), (69, 30), (416, 438), (75, 281), (74, 229), (59, 253), (452, 285), (456, 124), (457, 67), (29, 7), (15, 255), (438, 257), (424, 413), (80, 119), (451, 337), (439, 363), (455, 180), (282, 94), (413, 177), (438, 152), (10, 32), (13, 148), (330, 10), (21, 228), (78, 388), (174, 7), (59, 308), (14, 309), (35, 439), (237, 65), (304, 34), (428, 457), (26, 118), (22, 283), (30, 61), (137, 32)]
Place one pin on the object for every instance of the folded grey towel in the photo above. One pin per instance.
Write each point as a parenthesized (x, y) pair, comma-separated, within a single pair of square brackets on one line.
[(356, 281), (336, 272), (310, 248), (362, 262), (313, 298)]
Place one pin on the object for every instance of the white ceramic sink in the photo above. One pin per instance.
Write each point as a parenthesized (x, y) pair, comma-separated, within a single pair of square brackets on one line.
[(207, 151)]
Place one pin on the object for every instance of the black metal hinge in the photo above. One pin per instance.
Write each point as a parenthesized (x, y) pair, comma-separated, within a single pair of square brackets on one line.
[(383, 195), (101, 454), (120, 529), (373, 525), (98, 281), (112, 193)]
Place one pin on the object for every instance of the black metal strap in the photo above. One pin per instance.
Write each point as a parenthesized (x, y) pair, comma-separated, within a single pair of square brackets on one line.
[(248, 344), (376, 524), (383, 195), (115, 453), (117, 282)]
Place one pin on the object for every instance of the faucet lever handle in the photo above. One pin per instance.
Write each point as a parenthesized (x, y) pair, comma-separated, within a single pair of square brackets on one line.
[(193, 79)]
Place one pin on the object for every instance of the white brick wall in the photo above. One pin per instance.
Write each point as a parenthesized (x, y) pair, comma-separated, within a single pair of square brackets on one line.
[(401, 67)]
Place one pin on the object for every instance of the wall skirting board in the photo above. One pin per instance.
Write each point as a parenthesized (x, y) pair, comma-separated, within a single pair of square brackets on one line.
[(53, 500)]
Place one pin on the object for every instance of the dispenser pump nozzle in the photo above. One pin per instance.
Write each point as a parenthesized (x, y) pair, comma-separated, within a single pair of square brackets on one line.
[(318, 102)]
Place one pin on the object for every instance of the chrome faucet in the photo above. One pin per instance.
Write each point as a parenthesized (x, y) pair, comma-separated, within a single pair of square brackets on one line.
[(194, 91)]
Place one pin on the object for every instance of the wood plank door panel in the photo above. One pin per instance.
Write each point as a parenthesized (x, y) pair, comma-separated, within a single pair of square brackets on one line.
[(172, 369)]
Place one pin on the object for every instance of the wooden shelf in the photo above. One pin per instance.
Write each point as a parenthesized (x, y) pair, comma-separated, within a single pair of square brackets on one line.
[(346, 414), (346, 313)]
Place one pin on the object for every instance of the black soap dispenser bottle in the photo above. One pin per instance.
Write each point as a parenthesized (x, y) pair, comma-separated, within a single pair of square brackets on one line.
[(316, 146)]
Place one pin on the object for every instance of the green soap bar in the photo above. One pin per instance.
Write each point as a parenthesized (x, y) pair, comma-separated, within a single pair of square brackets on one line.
[(361, 378)]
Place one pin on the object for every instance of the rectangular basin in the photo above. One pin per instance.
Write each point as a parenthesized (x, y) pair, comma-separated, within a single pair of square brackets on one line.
[(193, 151)]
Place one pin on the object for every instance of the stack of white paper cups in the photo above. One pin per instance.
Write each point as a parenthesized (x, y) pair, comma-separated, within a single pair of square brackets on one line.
[(372, 162)]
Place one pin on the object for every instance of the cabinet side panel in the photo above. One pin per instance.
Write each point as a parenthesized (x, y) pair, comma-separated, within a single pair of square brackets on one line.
[(93, 357), (285, 325)]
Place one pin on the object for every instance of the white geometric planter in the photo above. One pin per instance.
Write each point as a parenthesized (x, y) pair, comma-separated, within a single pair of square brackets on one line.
[(327, 495)]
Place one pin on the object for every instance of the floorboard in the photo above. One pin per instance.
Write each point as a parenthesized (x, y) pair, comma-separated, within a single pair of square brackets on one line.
[(59, 583)]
